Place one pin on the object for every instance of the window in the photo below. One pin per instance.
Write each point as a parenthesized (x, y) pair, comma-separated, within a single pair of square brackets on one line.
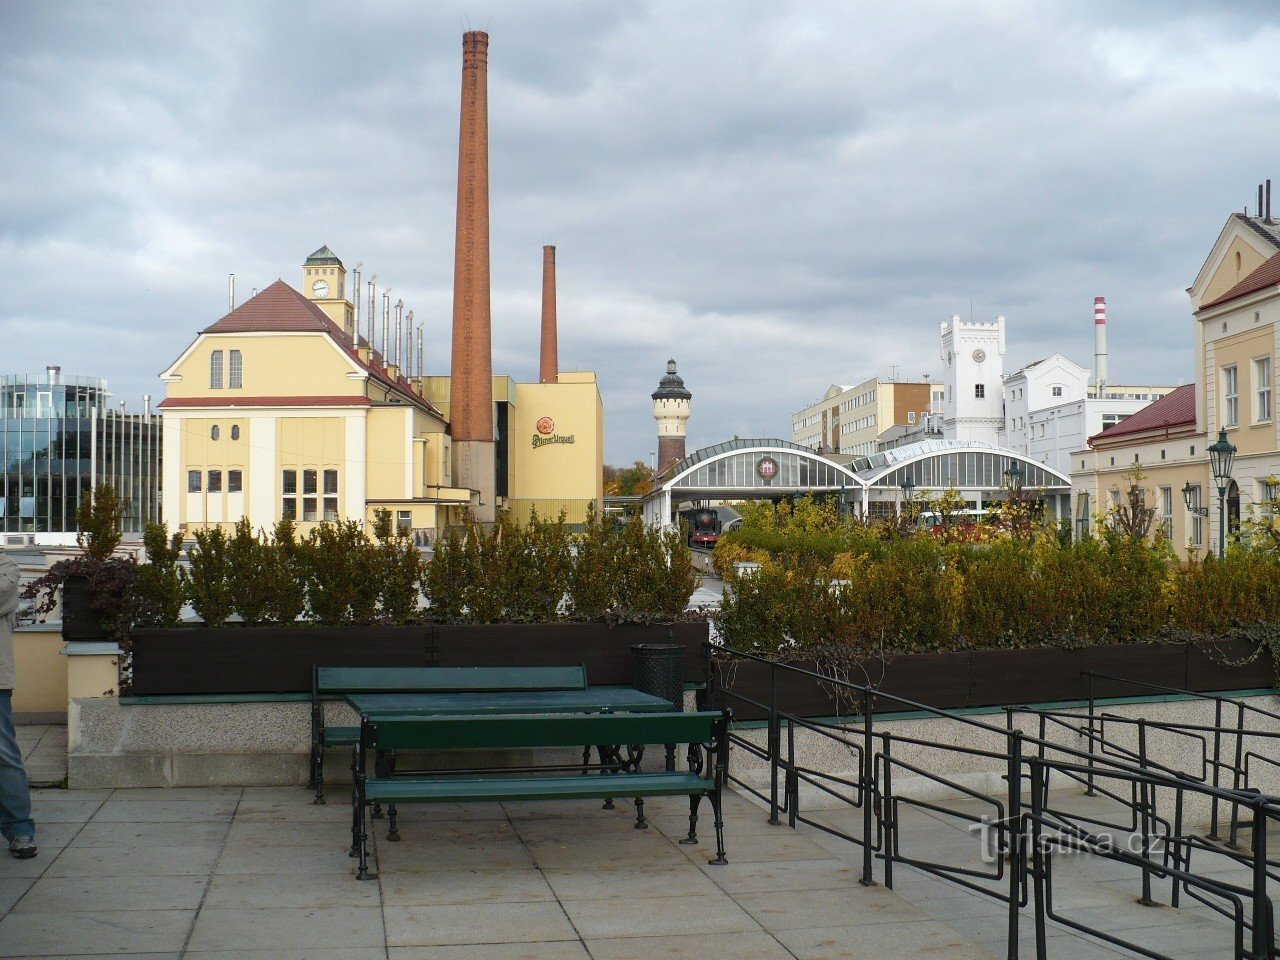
[(404, 522), (289, 490), (1262, 383), (309, 508), (331, 495), (331, 483), (289, 508), (1057, 391), (215, 370), (235, 431), (213, 432), (1166, 511), (308, 481), (1082, 514), (235, 482), (979, 391), (290, 482), (911, 416), (193, 481), (215, 481), (237, 370), (1197, 522), (1230, 396)]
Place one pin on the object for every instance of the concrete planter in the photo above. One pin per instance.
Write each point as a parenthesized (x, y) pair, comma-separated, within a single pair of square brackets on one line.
[(988, 678), (278, 659), (80, 621)]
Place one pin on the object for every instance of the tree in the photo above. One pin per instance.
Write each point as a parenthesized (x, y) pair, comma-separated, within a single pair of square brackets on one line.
[(633, 481), (1131, 516)]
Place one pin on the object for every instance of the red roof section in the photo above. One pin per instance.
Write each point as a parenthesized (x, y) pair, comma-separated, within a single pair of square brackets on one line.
[(233, 400), (1267, 275), (1176, 409), (281, 309)]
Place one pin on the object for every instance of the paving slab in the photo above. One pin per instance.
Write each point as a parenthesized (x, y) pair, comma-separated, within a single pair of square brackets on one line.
[(739, 946), (105, 861), (402, 888), (53, 894), (315, 891), (445, 924), (12, 890), (793, 909), (658, 916), (112, 834), (141, 931), (219, 928), (605, 883), (310, 860), (892, 941), (209, 810), (545, 950)]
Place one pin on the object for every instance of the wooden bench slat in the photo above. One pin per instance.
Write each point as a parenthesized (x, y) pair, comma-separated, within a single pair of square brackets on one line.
[(446, 789), (335, 680), (410, 732)]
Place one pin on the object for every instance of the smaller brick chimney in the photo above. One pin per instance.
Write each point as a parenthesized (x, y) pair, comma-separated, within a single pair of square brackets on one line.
[(549, 367)]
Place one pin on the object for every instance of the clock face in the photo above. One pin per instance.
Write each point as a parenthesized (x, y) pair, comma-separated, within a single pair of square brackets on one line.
[(979, 356), (320, 288)]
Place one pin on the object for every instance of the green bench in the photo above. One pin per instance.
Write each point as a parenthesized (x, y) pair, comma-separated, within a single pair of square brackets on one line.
[(335, 683), (706, 733)]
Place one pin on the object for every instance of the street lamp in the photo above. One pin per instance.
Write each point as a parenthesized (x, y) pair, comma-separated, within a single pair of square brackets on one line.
[(1189, 491), (1013, 481), (1222, 454), (908, 494)]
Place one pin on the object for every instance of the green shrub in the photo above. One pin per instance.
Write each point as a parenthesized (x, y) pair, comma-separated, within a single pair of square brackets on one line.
[(249, 564), (207, 582), (399, 568), (590, 582), (286, 575), (341, 574), (158, 596), (446, 577)]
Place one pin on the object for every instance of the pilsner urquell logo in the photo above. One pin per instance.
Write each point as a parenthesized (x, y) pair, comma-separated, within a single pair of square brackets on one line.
[(547, 433)]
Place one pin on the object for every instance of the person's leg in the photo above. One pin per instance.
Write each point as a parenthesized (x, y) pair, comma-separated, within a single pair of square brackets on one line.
[(15, 795)]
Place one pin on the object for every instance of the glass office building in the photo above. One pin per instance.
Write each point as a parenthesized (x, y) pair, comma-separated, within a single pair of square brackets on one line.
[(59, 439)]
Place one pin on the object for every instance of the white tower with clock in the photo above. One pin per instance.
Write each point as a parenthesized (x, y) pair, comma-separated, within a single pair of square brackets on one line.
[(973, 364), (324, 280)]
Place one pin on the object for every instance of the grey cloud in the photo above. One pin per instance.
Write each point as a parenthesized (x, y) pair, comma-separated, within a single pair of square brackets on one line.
[(781, 195)]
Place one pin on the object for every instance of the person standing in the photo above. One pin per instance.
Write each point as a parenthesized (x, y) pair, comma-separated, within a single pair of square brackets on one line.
[(15, 794)]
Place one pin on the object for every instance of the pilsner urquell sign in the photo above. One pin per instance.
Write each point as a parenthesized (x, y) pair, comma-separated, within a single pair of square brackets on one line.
[(547, 433)]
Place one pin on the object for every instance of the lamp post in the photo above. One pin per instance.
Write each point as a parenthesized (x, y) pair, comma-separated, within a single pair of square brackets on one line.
[(1222, 454), (1013, 481), (909, 495)]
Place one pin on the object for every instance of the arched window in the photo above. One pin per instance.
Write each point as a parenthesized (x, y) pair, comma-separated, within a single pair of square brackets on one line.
[(235, 431), (214, 432), (215, 370)]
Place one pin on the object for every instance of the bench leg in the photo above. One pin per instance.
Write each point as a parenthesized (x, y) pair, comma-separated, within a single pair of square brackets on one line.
[(355, 821), (317, 772), (393, 834), (362, 867), (694, 800), (715, 805), (641, 822)]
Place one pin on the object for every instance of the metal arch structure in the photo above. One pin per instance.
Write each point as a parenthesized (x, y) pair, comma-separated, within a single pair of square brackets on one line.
[(974, 468), (747, 469)]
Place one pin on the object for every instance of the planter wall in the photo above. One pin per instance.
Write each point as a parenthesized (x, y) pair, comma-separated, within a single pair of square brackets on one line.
[(277, 659), (990, 678), (80, 621)]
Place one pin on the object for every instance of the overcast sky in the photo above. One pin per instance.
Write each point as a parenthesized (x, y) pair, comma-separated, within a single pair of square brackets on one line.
[(780, 195)]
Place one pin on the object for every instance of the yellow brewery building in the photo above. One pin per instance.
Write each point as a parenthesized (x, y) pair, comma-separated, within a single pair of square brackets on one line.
[(282, 408)]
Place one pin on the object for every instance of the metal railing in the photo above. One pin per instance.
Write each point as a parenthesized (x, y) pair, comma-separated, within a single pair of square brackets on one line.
[(1025, 825)]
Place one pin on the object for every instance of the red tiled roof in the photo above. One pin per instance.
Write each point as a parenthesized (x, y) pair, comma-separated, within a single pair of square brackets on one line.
[(232, 400), (281, 309), (1267, 275), (1176, 409)]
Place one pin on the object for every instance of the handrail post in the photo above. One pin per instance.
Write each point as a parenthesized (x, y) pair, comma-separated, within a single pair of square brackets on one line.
[(793, 779), (886, 815), (775, 744), (1013, 823), (1237, 777), (1147, 801), (1262, 936), (1038, 854), (1217, 767), (868, 789), (1089, 792)]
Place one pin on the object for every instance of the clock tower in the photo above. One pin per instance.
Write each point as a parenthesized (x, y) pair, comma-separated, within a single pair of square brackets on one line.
[(972, 354), (324, 281)]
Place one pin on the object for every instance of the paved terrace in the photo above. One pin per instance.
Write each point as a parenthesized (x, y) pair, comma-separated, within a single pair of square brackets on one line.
[(259, 873)]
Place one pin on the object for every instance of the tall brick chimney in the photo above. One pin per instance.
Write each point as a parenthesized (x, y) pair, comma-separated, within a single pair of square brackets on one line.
[(471, 371), (549, 367)]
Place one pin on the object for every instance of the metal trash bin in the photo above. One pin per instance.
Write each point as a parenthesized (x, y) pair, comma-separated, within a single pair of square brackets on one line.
[(660, 672)]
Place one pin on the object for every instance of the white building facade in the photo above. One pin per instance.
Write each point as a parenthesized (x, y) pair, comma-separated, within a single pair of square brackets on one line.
[(972, 354)]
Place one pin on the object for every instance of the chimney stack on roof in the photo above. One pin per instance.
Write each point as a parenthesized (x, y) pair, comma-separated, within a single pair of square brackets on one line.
[(1100, 343), (549, 367), (471, 365)]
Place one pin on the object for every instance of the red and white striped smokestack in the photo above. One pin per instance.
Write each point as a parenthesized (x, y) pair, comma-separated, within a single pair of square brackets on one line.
[(549, 365), (471, 373), (1100, 343)]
